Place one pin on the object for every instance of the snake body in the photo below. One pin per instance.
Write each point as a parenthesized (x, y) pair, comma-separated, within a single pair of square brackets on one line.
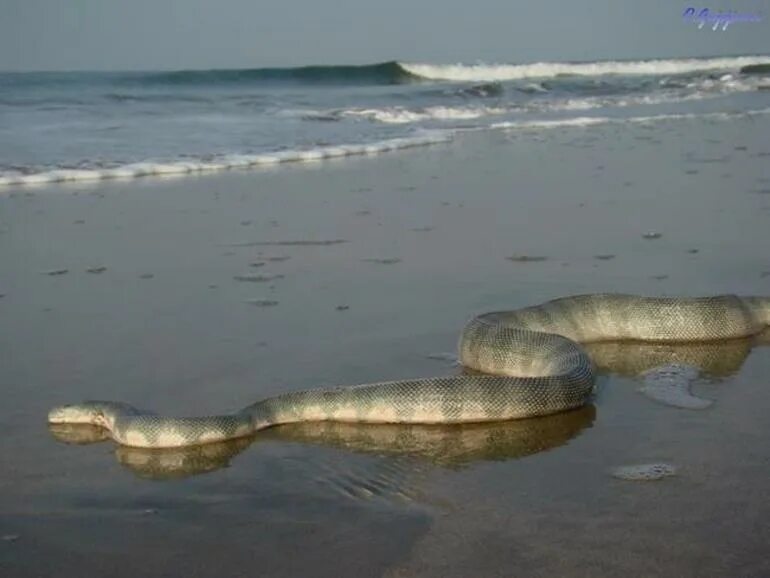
[(527, 362)]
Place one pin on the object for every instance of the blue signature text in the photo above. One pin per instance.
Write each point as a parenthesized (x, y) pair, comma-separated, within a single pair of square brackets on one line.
[(717, 20)]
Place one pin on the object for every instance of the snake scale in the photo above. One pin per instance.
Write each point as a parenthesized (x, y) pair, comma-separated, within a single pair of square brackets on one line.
[(528, 362)]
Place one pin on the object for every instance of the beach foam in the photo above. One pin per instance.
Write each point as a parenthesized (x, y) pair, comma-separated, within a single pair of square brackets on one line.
[(595, 120), (401, 115), (225, 162)]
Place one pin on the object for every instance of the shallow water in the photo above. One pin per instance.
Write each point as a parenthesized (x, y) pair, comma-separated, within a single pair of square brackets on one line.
[(167, 326)]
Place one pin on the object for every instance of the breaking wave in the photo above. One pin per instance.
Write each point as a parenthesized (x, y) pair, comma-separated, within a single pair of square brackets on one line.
[(392, 72), (502, 72), (223, 162)]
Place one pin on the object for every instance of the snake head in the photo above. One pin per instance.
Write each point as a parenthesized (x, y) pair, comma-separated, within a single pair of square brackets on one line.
[(99, 413)]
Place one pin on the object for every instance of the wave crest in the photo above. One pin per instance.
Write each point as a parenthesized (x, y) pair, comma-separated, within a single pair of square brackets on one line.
[(503, 72)]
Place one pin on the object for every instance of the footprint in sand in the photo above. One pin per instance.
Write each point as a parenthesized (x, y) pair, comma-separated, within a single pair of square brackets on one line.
[(256, 278), (262, 302), (527, 258), (383, 261)]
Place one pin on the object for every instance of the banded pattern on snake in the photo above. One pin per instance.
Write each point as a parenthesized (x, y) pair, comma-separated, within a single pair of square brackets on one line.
[(528, 362)]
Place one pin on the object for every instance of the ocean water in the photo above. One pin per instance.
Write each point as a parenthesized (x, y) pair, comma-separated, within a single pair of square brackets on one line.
[(91, 126)]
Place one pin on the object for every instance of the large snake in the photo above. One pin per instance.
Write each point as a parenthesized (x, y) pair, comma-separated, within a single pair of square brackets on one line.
[(529, 362)]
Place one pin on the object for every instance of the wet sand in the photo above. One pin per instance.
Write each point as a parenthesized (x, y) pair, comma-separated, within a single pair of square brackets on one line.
[(203, 294)]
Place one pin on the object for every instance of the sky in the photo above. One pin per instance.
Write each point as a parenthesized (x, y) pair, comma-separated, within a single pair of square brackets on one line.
[(203, 34)]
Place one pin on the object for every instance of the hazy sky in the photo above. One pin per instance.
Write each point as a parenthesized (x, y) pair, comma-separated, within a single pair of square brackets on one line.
[(173, 34)]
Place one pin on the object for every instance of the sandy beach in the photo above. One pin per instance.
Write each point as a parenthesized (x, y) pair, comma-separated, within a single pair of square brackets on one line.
[(202, 294)]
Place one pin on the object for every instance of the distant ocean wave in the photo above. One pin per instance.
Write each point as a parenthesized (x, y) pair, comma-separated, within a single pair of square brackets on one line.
[(380, 73), (391, 72)]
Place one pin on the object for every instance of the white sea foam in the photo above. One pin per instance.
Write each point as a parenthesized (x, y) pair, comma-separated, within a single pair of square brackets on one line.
[(553, 123), (595, 120), (567, 104), (500, 72), (534, 87), (225, 162), (702, 91), (401, 115)]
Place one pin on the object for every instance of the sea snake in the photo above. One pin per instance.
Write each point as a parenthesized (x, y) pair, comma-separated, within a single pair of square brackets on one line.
[(526, 362)]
